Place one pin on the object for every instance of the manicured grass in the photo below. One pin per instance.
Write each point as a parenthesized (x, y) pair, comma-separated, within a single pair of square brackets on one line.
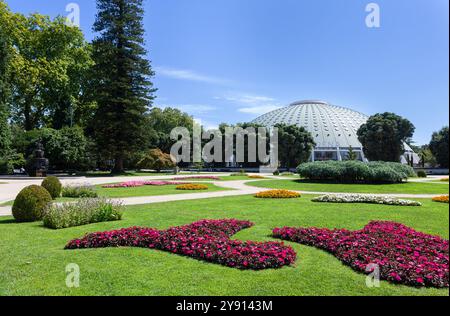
[(32, 259), (304, 185), (149, 190)]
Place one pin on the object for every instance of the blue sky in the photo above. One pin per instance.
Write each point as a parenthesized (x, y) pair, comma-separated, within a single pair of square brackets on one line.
[(231, 60)]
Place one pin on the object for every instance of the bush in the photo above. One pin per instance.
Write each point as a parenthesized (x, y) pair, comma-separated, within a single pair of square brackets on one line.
[(53, 186), (192, 187), (238, 174), (156, 159), (79, 191), (5, 166), (276, 173), (422, 174), (402, 254), (277, 194), (83, 212), (364, 198), (444, 179), (207, 240), (30, 203), (356, 171)]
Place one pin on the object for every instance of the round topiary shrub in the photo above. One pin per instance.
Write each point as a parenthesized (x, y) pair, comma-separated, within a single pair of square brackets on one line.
[(30, 203), (421, 174), (53, 186)]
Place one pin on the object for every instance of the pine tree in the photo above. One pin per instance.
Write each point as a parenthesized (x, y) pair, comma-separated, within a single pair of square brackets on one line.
[(123, 88)]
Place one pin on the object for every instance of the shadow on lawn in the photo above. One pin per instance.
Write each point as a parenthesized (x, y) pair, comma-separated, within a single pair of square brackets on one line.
[(306, 181)]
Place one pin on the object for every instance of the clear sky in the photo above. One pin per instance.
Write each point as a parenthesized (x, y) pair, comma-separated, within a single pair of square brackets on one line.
[(232, 60)]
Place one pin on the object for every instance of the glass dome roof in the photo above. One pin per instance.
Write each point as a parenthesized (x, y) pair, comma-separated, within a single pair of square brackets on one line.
[(331, 126)]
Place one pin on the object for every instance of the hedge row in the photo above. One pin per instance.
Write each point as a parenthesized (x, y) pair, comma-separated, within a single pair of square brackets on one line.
[(356, 171)]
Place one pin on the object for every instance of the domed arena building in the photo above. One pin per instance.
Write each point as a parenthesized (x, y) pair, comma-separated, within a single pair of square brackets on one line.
[(333, 128)]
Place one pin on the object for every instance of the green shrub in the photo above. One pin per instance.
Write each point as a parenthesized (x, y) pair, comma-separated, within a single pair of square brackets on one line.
[(356, 171), (53, 186), (5, 166), (79, 191), (30, 203), (82, 212), (421, 174), (276, 173)]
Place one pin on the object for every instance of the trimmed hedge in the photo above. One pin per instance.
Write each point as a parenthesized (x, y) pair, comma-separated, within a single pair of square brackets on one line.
[(30, 203), (53, 186), (356, 171)]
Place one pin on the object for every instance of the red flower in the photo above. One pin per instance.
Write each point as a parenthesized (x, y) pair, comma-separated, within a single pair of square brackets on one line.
[(402, 254), (207, 240)]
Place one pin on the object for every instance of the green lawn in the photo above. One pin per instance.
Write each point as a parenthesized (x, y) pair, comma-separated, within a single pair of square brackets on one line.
[(32, 259), (150, 190), (304, 185)]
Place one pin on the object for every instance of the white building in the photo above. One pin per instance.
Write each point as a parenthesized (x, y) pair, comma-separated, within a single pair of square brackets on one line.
[(334, 128)]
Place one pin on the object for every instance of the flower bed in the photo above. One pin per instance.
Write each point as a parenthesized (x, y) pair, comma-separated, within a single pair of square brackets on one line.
[(256, 177), (364, 198), (277, 194), (134, 184), (197, 178), (402, 254), (79, 191), (83, 212), (207, 240), (192, 187), (441, 199)]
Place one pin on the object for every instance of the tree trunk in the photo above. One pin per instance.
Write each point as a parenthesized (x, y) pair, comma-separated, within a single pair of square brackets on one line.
[(118, 165)]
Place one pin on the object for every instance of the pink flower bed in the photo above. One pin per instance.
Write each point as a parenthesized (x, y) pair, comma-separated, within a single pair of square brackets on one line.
[(197, 178), (133, 184), (402, 254), (207, 240)]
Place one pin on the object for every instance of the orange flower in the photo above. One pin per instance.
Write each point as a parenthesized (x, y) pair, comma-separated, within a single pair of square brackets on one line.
[(192, 187), (278, 194), (256, 177), (441, 199)]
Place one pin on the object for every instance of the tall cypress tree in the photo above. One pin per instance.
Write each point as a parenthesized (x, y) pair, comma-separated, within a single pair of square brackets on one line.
[(123, 88)]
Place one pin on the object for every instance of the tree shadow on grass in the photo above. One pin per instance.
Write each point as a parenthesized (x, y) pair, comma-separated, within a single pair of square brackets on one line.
[(306, 181), (8, 221)]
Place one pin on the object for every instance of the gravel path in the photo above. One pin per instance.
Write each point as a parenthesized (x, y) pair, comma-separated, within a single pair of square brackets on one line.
[(9, 190)]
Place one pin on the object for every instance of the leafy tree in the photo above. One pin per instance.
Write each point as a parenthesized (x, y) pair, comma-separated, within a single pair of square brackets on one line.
[(383, 136), (439, 146), (48, 69), (5, 54), (66, 149), (157, 160), (6, 165), (123, 87), (161, 122), (295, 145)]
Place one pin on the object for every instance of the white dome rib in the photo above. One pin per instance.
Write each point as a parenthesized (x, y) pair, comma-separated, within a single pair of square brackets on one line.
[(331, 126)]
